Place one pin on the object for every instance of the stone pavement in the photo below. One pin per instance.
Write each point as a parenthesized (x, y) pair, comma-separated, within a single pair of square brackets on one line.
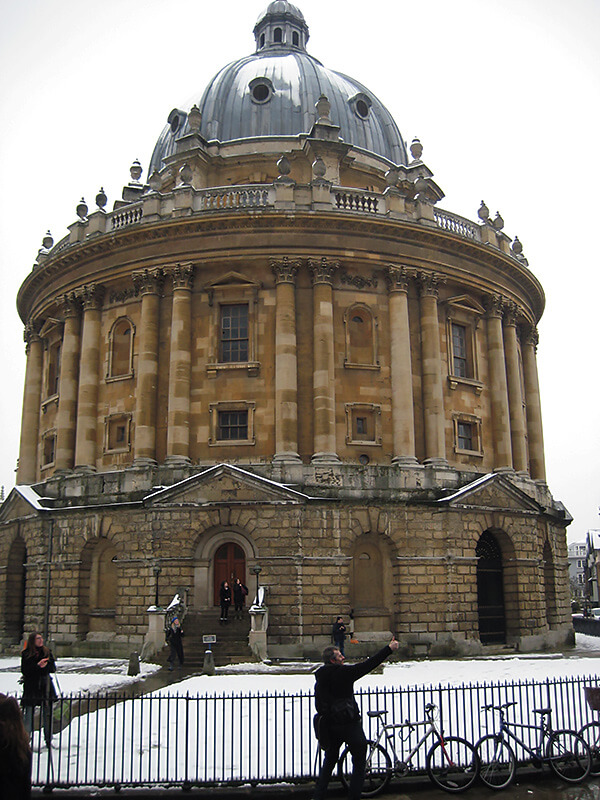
[(533, 786)]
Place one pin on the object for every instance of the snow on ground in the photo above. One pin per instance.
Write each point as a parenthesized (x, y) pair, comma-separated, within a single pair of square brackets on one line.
[(94, 675)]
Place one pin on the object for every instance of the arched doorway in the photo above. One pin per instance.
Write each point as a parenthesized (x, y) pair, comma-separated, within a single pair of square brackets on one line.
[(98, 588), (14, 614), (371, 582), (229, 564), (490, 590)]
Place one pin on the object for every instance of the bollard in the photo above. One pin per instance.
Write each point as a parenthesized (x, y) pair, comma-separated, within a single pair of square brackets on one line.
[(134, 664), (209, 663)]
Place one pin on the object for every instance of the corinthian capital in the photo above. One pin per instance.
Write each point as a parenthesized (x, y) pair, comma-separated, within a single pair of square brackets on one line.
[(323, 270), (182, 275), (284, 269), (511, 314), (494, 305), (429, 284), (531, 335), (69, 304), (148, 281), (91, 296), (397, 277), (30, 334)]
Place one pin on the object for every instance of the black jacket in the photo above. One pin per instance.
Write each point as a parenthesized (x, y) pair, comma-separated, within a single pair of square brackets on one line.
[(37, 685), (339, 632), (335, 682)]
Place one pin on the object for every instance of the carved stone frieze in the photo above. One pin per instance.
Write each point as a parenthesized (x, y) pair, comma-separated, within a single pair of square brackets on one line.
[(122, 295), (284, 269), (358, 280)]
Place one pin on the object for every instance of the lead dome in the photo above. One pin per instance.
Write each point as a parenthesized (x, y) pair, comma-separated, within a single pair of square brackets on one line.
[(272, 93)]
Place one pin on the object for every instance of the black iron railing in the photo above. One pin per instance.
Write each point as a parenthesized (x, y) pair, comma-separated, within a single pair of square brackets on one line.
[(260, 738)]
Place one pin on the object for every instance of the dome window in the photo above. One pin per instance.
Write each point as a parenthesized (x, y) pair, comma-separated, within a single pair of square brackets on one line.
[(277, 35), (361, 105), (262, 40), (295, 39), (176, 119), (261, 90)]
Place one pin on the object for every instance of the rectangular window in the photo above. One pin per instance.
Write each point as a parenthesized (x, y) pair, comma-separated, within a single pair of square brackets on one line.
[(465, 436), (232, 425), (361, 426), (49, 448), (234, 333), (460, 364), (117, 432)]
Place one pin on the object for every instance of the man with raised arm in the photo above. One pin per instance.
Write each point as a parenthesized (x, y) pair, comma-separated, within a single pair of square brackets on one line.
[(338, 715)]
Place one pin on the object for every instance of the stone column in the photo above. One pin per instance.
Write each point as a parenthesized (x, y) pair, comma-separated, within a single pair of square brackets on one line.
[(148, 284), (32, 396), (68, 385), (286, 362), (323, 361), (515, 394), (498, 386), (86, 450), (433, 394), (178, 412), (537, 464), (403, 420)]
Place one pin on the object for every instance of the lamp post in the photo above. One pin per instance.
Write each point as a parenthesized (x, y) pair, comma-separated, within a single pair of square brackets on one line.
[(257, 570), (157, 570)]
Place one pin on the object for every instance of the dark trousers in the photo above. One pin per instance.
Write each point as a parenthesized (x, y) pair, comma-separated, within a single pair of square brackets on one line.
[(45, 717), (176, 652), (224, 610), (339, 643), (353, 735)]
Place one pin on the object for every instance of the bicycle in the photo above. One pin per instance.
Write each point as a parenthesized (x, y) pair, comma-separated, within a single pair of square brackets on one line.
[(451, 762), (591, 732), (564, 750)]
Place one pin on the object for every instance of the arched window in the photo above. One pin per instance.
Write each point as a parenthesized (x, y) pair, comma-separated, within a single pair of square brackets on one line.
[(361, 340), (121, 349), (98, 587), (490, 590), (277, 35), (295, 39)]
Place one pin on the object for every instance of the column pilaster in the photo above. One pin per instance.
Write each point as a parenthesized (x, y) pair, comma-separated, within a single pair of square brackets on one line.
[(537, 463), (30, 418), (323, 272), (178, 413), (498, 385), (403, 421), (286, 361), (68, 384), (148, 284), (433, 395), (86, 449), (515, 393)]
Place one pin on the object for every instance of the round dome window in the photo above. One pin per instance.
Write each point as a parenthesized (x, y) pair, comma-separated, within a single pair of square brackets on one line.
[(261, 90), (361, 105)]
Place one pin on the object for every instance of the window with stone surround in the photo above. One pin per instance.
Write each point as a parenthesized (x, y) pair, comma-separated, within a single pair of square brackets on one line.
[(231, 423), (117, 433), (120, 349), (467, 435), (463, 316), (48, 448), (233, 330), (52, 368), (363, 424)]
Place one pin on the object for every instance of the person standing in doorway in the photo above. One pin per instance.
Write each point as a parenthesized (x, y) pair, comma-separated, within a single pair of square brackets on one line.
[(338, 634), (339, 715), (225, 599), (240, 591), (174, 640), (37, 662)]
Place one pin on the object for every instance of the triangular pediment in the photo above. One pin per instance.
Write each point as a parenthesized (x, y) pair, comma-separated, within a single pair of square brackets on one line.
[(232, 279), (22, 501), (224, 483), (495, 492), (466, 303)]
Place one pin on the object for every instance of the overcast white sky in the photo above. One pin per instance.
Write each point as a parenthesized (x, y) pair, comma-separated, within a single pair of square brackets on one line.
[(504, 95)]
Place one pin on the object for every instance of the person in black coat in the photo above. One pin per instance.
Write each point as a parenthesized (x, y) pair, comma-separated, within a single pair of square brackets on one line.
[(37, 662), (225, 599), (15, 752), (340, 716), (338, 634), (240, 591), (174, 639)]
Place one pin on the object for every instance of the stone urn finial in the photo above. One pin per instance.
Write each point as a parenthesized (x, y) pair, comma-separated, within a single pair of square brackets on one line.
[(195, 119), (284, 166), (155, 181), (135, 170), (416, 149), (48, 241), (498, 222), (323, 107), (319, 169), (391, 176), (186, 174), (484, 212), (517, 247), (101, 199), (82, 209)]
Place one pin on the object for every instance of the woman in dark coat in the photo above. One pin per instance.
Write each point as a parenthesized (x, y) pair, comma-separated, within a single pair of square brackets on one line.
[(240, 590), (225, 597), (15, 752), (37, 662), (174, 640)]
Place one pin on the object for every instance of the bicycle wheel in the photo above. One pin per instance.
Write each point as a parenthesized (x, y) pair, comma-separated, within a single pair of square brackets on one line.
[(378, 769), (452, 764), (497, 763), (591, 735), (569, 756)]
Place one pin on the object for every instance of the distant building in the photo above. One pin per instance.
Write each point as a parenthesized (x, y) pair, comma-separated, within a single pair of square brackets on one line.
[(577, 569), (280, 355), (592, 568)]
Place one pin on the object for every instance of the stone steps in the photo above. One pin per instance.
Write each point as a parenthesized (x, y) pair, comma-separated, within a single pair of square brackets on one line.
[(231, 646)]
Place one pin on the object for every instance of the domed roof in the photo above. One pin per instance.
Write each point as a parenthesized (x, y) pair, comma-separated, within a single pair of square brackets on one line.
[(273, 93)]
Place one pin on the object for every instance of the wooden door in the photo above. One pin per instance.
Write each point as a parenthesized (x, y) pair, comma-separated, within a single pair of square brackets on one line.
[(229, 564)]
